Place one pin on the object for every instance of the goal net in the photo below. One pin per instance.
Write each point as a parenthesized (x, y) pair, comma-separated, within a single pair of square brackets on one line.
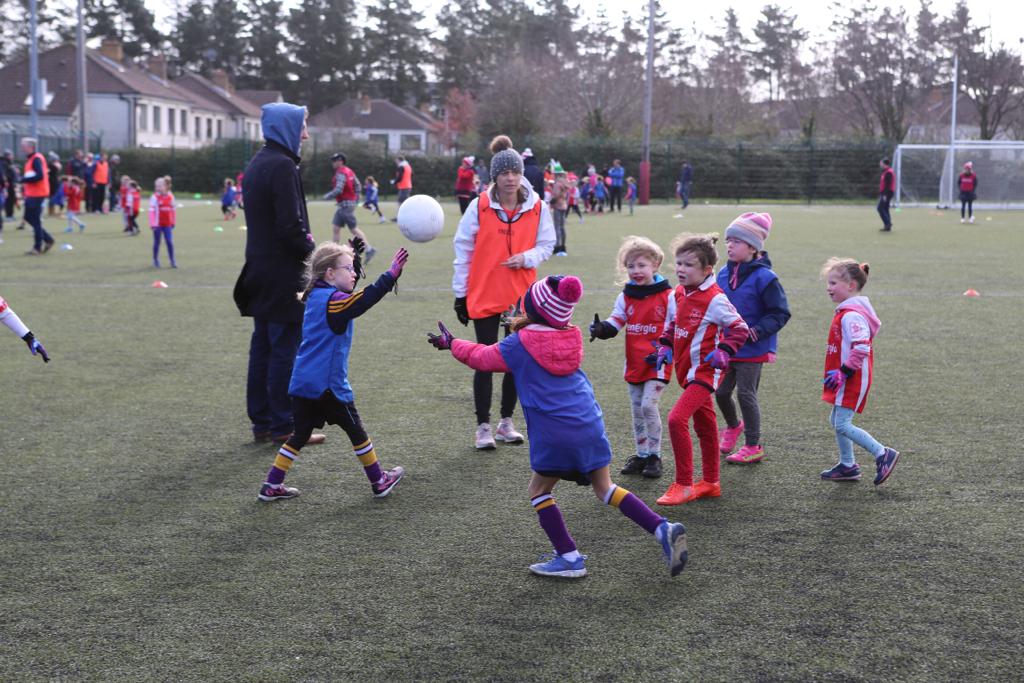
[(927, 175)]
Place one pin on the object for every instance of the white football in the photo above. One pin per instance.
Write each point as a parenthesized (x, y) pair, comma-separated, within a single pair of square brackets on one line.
[(420, 218)]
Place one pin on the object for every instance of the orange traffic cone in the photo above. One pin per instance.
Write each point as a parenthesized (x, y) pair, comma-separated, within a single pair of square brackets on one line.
[(160, 284), (972, 293)]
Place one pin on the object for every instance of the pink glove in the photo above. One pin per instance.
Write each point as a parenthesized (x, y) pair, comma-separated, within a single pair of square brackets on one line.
[(834, 379), (718, 359), (443, 341), (401, 256)]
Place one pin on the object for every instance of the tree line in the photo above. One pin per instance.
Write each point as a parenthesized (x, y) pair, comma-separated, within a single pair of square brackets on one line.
[(544, 67)]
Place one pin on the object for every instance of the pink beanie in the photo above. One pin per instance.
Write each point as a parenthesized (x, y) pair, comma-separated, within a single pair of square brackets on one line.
[(553, 299), (752, 228)]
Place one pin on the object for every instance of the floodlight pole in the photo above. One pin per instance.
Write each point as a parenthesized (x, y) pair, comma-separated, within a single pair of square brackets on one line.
[(645, 161), (952, 130), (33, 72), (83, 127)]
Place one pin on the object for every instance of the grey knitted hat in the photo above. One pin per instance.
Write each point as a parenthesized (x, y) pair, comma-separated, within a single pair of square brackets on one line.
[(506, 160)]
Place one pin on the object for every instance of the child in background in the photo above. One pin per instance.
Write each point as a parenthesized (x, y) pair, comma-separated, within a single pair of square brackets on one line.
[(644, 307), (631, 193), (132, 204), (754, 289), (228, 200), (73, 190), (600, 193), (849, 369), (968, 184), (319, 386), (567, 434), (9, 318), (162, 218), (123, 203), (574, 195), (706, 332), (371, 197)]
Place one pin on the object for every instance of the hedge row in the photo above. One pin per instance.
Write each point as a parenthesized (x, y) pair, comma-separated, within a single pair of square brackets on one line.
[(722, 170)]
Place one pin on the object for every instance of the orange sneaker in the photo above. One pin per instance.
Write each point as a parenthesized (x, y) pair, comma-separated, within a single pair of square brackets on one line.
[(704, 489), (677, 494)]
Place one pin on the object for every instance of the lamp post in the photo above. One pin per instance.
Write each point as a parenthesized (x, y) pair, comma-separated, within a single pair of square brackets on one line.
[(645, 160), (83, 127), (33, 72)]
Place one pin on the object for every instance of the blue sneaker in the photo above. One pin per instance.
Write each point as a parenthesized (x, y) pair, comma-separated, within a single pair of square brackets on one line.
[(673, 544), (557, 565), (840, 472), (885, 464)]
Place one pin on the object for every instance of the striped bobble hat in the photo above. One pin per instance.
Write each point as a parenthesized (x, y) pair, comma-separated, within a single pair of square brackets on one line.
[(553, 299), (752, 228)]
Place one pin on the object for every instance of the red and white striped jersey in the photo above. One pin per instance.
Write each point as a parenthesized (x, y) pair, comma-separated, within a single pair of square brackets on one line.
[(849, 343), (644, 319), (705, 319)]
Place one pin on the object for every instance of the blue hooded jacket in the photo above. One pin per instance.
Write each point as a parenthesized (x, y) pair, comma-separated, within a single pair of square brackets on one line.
[(282, 123)]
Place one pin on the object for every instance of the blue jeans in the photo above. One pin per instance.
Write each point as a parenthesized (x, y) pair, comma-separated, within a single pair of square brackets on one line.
[(34, 217), (271, 355), (841, 420)]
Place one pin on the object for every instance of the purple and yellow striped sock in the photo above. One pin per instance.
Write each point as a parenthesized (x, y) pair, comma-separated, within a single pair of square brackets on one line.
[(368, 457), (282, 463), (634, 508), (551, 521)]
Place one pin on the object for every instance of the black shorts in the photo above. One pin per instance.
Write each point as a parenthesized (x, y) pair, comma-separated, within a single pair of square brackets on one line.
[(314, 413), (581, 478)]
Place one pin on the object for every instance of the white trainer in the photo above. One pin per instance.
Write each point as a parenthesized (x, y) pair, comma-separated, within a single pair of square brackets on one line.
[(507, 432), (484, 439)]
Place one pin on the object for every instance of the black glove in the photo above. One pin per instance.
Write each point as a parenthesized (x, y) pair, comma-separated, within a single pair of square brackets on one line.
[(461, 312), (358, 246), (599, 329)]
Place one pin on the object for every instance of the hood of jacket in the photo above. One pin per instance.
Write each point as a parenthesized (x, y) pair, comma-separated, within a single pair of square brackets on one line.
[(560, 352), (863, 306), (282, 123), (747, 267)]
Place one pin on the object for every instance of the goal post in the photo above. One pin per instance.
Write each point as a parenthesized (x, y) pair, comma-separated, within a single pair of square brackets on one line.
[(926, 175)]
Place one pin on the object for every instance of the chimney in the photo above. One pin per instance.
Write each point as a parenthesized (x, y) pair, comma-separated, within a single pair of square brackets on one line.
[(221, 79), (365, 106), (111, 48), (157, 66)]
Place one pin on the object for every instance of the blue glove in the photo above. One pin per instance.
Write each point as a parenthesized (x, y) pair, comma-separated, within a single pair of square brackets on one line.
[(718, 359), (834, 379), (662, 354), (35, 347)]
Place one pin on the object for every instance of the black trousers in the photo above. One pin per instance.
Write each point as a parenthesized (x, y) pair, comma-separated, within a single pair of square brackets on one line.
[(487, 333), (315, 413), (615, 198)]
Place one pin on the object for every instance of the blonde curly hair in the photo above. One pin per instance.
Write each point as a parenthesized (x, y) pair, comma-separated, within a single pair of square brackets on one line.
[(631, 247)]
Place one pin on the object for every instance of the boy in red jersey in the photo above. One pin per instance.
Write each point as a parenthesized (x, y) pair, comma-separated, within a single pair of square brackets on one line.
[(74, 187), (706, 333)]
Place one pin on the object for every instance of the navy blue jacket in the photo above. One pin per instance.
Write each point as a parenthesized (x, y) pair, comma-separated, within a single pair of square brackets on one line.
[(760, 300), (534, 175)]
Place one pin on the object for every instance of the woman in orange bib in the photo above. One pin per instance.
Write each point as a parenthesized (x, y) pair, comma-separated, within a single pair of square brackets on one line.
[(504, 235)]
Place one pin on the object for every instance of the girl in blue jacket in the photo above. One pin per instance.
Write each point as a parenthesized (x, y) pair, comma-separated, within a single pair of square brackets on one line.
[(319, 386), (747, 279)]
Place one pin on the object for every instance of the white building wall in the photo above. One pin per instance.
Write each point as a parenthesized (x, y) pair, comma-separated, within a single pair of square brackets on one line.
[(109, 117)]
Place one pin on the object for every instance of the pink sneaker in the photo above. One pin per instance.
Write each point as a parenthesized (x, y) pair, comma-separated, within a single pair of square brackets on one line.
[(747, 455), (728, 437)]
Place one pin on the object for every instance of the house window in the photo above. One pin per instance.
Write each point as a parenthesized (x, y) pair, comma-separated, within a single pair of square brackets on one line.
[(209, 128), (220, 129), (199, 128), (380, 141), (184, 123), (170, 120), (156, 119), (411, 143), (143, 117)]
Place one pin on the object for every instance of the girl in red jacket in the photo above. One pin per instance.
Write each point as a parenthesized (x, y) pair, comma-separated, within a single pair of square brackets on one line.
[(161, 219), (706, 333), (849, 368), (968, 184), (74, 188)]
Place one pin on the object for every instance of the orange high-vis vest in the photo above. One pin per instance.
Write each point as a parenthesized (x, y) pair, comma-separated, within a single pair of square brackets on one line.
[(405, 182), (41, 188), (492, 287), (102, 173)]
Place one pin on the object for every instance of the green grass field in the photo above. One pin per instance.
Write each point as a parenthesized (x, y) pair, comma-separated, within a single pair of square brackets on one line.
[(133, 546)]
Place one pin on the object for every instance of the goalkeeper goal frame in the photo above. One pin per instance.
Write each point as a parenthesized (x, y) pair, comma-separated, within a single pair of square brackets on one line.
[(948, 193)]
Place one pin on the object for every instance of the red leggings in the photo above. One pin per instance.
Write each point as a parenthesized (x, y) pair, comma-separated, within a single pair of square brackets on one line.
[(695, 402)]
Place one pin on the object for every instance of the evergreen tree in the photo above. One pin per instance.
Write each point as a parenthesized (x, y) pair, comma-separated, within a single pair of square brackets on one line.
[(396, 51), (729, 63), (776, 58), (265, 65), (324, 53), (463, 58), (193, 36), (128, 21), (229, 33)]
